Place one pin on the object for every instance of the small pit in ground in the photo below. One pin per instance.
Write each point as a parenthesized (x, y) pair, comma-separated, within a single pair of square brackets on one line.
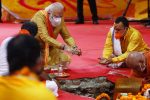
[(89, 87)]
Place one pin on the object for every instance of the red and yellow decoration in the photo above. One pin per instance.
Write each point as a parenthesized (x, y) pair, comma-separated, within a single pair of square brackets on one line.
[(133, 97), (130, 96), (24, 9)]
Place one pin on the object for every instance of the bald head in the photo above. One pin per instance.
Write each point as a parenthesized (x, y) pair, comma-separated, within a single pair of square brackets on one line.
[(136, 61)]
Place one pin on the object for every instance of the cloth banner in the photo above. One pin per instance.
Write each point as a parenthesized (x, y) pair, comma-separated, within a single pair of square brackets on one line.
[(25, 9)]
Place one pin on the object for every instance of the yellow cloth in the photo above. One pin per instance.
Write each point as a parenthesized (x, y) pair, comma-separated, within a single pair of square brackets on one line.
[(55, 55), (23, 87), (132, 41)]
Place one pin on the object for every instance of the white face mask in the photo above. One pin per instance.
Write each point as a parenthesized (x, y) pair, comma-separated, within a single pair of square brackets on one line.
[(55, 21)]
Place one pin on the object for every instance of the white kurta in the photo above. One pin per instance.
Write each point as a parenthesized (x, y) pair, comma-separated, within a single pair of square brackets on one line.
[(116, 49), (4, 69)]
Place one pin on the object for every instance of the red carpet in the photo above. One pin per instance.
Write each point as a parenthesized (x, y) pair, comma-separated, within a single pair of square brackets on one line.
[(90, 38), (69, 96)]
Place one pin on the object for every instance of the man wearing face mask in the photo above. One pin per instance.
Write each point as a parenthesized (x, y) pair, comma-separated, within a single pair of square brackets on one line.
[(139, 62), (50, 24), (121, 40)]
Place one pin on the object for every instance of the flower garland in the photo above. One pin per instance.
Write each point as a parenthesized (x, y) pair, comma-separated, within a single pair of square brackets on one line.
[(102, 96), (146, 86)]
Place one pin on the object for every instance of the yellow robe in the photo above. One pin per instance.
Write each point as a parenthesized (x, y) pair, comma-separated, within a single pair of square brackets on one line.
[(132, 41), (21, 87), (55, 54)]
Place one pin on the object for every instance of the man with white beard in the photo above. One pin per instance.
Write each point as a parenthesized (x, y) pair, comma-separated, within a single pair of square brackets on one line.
[(50, 24)]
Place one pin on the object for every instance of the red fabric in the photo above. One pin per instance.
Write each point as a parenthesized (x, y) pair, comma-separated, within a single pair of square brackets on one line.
[(69, 96), (90, 38), (111, 74), (8, 29)]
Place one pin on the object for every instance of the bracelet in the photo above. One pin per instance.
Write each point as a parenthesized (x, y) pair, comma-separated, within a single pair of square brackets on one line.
[(74, 47), (62, 46)]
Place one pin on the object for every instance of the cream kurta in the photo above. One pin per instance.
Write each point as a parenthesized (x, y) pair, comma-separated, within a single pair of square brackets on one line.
[(132, 41), (55, 54)]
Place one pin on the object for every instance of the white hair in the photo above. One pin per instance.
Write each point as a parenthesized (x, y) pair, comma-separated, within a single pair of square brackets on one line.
[(54, 6)]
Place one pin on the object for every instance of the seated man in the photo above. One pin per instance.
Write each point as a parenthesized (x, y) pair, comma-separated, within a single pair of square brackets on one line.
[(25, 63), (26, 28), (139, 62), (121, 40), (50, 24), (29, 28)]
